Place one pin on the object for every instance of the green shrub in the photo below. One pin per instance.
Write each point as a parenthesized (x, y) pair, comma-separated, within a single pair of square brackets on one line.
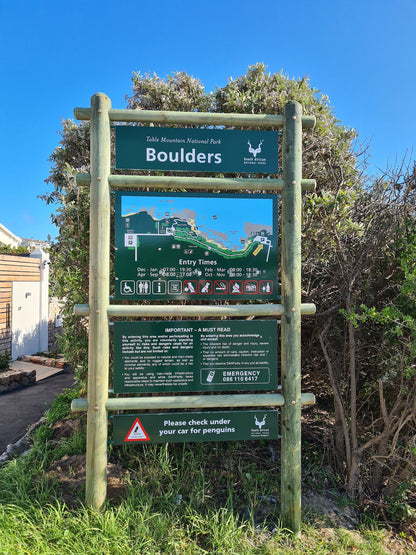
[(4, 361)]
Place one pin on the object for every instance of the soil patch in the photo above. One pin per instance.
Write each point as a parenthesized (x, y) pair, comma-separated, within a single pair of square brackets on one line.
[(69, 473)]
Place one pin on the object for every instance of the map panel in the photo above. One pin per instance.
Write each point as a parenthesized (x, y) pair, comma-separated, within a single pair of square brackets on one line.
[(191, 246)]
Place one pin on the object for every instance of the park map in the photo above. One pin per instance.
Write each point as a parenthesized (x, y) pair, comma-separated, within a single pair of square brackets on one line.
[(192, 246)]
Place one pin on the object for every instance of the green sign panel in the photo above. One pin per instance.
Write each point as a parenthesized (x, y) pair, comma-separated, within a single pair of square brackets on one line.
[(196, 150), (192, 246), (184, 427), (193, 355)]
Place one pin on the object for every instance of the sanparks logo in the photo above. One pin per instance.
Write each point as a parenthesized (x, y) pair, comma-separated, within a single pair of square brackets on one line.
[(200, 150), (255, 159)]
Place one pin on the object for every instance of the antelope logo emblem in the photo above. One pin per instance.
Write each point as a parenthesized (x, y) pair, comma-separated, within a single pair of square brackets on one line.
[(261, 423), (254, 151)]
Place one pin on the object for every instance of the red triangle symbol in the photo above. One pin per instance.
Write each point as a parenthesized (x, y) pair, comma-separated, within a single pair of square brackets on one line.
[(137, 432)]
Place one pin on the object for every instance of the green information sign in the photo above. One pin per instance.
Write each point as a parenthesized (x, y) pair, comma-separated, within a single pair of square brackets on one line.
[(194, 355), (193, 246), (184, 427), (196, 150)]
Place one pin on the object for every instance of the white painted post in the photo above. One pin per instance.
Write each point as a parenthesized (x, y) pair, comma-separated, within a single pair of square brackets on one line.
[(44, 296)]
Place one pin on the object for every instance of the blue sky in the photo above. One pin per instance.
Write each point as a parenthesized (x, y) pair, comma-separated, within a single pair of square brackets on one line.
[(55, 55)]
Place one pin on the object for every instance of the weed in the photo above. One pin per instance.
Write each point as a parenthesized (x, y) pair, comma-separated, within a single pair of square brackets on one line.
[(400, 508), (4, 361), (48, 354), (61, 406)]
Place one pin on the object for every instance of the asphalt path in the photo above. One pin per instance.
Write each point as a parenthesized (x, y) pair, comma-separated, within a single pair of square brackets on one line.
[(23, 407)]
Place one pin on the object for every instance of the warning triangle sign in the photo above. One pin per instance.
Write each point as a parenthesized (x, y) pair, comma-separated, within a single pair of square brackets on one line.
[(137, 432)]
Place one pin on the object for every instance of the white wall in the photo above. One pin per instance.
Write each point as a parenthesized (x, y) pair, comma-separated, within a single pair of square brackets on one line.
[(44, 296)]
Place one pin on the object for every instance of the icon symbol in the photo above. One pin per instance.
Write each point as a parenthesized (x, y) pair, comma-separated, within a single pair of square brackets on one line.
[(127, 287), (250, 287), (143, 287), (258, 249), (159, 287), (266, 287), (221, 287), (137, 432), (205, 287), (175, 287), (189, 287), (210, 376), (130, 239), (236, 287)]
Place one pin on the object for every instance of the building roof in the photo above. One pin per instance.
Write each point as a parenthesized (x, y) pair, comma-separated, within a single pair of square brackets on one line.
[(6, 235), (6, 232)]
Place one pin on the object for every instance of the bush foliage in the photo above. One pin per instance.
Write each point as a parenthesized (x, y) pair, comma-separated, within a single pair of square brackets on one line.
[(14, 251)]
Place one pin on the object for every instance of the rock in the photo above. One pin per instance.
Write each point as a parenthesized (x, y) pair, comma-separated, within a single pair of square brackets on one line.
[(16, 378), (36, 359), (11, 450)]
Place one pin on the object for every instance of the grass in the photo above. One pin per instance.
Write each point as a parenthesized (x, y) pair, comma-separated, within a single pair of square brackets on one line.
[(133, 528), (216, 498)]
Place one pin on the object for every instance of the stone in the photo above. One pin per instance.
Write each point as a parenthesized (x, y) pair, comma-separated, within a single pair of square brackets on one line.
[(36, 359)]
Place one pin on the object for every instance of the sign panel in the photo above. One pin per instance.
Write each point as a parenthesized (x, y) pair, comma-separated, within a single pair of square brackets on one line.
[(192, 246), (196, 150), (184, 427), (194, 355)]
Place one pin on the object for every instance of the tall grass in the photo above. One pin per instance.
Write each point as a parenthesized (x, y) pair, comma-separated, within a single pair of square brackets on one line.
[(54, 529)]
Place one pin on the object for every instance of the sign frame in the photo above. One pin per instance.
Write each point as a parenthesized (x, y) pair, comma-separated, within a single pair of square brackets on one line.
[(98, 403)]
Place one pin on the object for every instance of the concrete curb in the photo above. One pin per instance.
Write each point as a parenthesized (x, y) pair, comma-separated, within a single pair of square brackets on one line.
[(12, 379), (21, 446), (45, 361)]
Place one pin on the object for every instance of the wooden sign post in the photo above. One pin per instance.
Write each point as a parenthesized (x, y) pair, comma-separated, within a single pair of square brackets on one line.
[(290, 310)]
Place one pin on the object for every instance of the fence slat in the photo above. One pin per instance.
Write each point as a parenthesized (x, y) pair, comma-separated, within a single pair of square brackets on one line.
[(193, 401), (196, 118)]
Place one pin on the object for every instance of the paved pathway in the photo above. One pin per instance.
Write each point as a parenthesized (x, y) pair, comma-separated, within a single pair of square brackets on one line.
[(22, 407), (42, 372)]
